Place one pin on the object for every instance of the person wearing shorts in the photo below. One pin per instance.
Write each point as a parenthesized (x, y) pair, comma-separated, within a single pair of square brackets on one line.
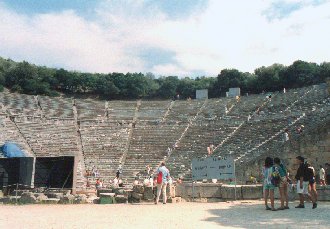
[(302, 181), (283, 185), (268, 186)]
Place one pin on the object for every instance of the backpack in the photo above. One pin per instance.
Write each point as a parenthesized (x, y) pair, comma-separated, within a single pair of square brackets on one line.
[(160, 178), (275, 177)]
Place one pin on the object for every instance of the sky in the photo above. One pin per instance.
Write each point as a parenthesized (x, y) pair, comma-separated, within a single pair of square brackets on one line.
[(166, 37)]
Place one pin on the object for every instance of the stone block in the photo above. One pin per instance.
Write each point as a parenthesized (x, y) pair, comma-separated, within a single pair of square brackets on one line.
[(67, 199), (118, 191), (103, 191), (96, 201), (250, 192), (323, 193), (56, 195), (148, 193), (121, 199), (128, 193), (50, 201), (170, 190), (137, 196), (228, 192), (201, 190), (10, 199), (174, 200), (138, 189), (107, 198), (28, 198), (80, 199), (40, 197), (91, 198)]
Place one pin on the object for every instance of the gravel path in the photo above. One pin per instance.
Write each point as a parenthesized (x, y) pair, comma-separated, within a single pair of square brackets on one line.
[(240, 214)]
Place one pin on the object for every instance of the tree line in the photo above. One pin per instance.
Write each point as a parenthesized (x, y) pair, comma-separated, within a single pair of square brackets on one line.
[(23, 77)]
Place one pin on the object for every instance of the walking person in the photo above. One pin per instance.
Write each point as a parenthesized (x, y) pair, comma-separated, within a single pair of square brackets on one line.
[(322, 176), (163, 175), (283, 185), (269, 187), (312, 184), (302, 178)]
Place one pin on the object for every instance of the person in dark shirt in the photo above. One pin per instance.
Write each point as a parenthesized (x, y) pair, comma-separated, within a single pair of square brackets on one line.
[(302, 178)]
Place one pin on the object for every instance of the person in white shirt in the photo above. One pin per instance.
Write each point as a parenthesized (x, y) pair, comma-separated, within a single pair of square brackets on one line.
[(322, 175)]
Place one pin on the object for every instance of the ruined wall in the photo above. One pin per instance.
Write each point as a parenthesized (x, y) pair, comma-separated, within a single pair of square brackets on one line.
[(313, 145)]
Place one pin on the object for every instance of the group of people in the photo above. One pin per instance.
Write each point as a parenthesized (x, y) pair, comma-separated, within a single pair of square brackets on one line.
[(275, 175)]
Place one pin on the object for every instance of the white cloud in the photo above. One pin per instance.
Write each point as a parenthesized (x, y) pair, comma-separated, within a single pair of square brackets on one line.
[(227, 34)]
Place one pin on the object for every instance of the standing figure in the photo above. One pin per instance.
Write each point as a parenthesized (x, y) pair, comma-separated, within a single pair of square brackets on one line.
[(269, 187), (163, 175)]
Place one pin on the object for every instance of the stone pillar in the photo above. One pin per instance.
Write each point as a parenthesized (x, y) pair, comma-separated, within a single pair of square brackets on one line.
[(75, 170)]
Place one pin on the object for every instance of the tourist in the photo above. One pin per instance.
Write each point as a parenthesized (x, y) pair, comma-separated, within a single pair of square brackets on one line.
[(95, 172), (268, 185), (322, 176), (312, 184), (120, 183), (179, 180), (115, 181), (162, 179), (119, 171), (148, 169), (283, 185), (98, 183), (302, 181), (286, 135), (327, 173)]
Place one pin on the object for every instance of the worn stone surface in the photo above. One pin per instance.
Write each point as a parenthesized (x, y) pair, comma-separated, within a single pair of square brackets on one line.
[(148, 193), (107, 198), (56, 195), (138, 188), (40, 197), (170, 190), (10, 199), (228, 192), (91, 198), (174, 200), (28, 198), (201, 190), (104, 191), (67, 199), (50, 201), (137, 196), (118, 191), (80, 199), (121, 199), (250, 192), (128, 193)]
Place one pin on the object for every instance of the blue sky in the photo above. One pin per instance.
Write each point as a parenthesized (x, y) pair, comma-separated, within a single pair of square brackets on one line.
[(166, 37)]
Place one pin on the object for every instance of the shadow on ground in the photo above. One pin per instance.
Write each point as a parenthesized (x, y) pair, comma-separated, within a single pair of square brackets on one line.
[(247, 215)]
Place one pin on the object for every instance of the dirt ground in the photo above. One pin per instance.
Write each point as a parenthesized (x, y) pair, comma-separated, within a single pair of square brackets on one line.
[(239, 214)]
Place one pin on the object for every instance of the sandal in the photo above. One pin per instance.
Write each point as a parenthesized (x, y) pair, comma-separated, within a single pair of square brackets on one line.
[(274, 210), (268, 208), (281, 208)]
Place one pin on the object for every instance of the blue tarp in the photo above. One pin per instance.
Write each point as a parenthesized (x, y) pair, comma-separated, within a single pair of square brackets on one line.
[(12, 150)]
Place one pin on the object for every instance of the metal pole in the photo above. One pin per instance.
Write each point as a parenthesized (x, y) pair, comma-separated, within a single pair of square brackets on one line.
[(193, 191), (235, 178), (16, 192)]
